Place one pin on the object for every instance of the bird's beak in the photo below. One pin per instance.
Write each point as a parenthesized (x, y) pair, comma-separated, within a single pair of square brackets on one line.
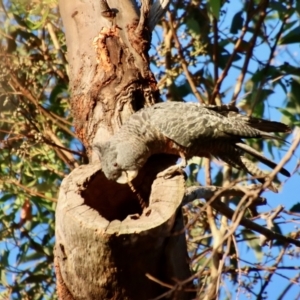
[(127, 176)]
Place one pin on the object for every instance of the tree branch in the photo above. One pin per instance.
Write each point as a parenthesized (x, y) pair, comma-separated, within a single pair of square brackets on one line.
[(207, 192), (18, 86), (30, 192), (284, 160), (269, 276), (215, 52), (145, 9)]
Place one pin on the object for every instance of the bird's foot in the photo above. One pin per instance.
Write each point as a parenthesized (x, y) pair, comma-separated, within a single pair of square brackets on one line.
[(171, 171)]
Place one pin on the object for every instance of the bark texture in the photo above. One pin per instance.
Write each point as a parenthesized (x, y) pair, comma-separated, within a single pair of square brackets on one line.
[(108, 257), (106, 243), (109, 68)]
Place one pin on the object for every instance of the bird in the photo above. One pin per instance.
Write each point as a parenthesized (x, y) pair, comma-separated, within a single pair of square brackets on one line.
[(186, 129)]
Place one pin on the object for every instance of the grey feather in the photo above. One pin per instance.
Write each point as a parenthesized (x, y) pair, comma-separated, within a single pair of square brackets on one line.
[(187, 129)]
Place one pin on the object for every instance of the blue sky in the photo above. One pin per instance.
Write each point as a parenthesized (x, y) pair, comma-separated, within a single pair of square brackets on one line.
[(289, 194)]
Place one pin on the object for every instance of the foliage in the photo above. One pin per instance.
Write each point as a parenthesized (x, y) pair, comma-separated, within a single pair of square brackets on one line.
[(212, 52), (35, 141)]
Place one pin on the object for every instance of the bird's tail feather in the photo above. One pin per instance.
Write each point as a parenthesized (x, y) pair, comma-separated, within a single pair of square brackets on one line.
[(266, 135), (268, 126), (261, 158), (259, 124), (256, 172), (241, 162)]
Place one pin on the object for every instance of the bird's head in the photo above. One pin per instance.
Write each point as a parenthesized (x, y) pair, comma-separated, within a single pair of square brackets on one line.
[(119, 163)]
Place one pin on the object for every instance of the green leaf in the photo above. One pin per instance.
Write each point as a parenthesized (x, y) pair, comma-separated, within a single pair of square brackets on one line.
[(289, 25), (277, 229), (35, 278), (233, 266), (193, 24), (237, 22), (277, 6), (290, 115), (281, 8), (56, 91), (20, 20), (295, 208), (298, 7), (295, 92), (253, 242), (31, 257), (267, 73), (192, 178), (6, 197), (288, 69), (218, 180), (4, 257), (292, 37), (259, 108), (223, 59), (183, 89), (38, 24), (214, 7)]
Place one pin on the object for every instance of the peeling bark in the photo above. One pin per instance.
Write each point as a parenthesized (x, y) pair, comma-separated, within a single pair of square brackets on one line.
[(109, 68)]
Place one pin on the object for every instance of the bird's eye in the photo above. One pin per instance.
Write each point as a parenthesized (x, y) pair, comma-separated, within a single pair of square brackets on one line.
[(115, 164)]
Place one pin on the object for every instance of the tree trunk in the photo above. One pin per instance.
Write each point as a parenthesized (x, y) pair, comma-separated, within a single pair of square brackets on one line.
[(108, 246)]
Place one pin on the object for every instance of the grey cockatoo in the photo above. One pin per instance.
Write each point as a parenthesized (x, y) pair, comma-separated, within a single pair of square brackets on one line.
[(187, 130)]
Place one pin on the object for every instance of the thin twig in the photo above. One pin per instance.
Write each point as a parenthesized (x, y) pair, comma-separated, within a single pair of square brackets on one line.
[(214, 267), (28, 190), (269, 276), (238, 265), (207, 172), (284, 292), (266, 69), (206, 192), (67, 156), (27, 94), (271, 235), (183, 61), (283, 161), (237, 45), (249, 53), (216, 52)]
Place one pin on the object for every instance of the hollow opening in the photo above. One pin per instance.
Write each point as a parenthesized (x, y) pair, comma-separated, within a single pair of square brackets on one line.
[(116, 201)]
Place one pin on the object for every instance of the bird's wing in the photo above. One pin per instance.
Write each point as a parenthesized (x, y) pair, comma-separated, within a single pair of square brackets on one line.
[(186, 123)]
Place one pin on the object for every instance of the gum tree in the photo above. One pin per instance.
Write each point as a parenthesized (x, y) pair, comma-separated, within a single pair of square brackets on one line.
[(157, 237)]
